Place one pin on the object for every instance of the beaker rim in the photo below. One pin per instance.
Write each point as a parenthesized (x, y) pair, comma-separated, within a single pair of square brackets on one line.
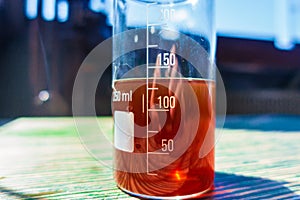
[(161, 1)]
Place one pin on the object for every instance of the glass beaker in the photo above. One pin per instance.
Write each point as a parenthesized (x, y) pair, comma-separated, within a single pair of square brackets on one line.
[(163, 98)]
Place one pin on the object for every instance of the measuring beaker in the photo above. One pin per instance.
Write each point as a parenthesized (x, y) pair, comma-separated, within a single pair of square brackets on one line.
[(163, 97)]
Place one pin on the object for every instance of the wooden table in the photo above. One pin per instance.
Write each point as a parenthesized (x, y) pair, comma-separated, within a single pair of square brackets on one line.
[(43, 158)]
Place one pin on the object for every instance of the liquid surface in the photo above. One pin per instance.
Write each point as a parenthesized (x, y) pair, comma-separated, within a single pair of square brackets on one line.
[(179, 157)]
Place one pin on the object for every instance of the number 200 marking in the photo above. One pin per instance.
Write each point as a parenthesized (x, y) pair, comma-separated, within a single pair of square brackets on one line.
[(167, 14)]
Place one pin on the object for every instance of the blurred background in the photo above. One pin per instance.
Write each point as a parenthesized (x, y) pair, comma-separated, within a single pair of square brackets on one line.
[(43, 43)]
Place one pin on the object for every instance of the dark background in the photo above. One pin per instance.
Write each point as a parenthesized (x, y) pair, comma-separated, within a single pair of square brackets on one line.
[(40, 55)]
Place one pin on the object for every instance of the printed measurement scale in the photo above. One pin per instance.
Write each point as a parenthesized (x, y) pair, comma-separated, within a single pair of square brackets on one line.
[(167, 145)]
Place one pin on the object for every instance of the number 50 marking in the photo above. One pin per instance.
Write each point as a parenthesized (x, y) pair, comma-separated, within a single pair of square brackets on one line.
[(167, 145)]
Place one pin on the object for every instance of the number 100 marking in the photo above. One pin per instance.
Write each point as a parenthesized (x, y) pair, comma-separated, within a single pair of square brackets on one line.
[(166, 102)]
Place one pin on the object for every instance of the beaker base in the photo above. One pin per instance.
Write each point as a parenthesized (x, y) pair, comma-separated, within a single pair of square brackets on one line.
[(189, 196)]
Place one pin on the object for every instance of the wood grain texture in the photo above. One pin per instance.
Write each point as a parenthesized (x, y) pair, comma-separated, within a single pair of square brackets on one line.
[(43, 158)]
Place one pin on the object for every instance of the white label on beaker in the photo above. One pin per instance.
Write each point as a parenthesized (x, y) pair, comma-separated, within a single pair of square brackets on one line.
[(124, 131)]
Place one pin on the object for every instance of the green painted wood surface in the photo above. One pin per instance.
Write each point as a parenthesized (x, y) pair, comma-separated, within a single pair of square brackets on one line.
[(43, 158)]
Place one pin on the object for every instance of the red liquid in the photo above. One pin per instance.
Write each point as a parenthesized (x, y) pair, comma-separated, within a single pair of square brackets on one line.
[(189, 122)]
